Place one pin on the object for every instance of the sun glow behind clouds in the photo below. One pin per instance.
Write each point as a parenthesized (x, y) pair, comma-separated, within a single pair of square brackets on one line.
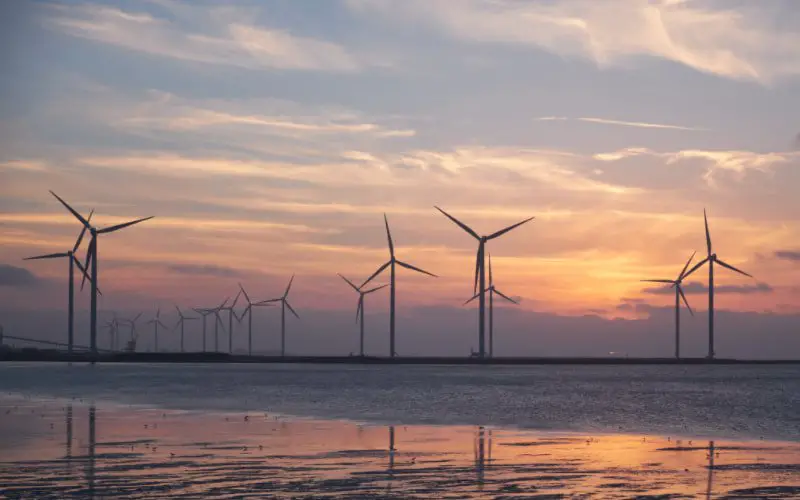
[(291, 168)]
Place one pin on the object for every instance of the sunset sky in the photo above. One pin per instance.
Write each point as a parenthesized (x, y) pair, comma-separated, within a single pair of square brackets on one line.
[(269, 137)]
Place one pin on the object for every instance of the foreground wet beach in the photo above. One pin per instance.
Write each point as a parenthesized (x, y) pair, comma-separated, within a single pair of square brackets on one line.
[(57, 448)]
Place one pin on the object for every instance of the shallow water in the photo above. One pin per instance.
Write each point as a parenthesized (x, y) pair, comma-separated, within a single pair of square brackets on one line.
[(78, 450), (743, 402), (228, 431)]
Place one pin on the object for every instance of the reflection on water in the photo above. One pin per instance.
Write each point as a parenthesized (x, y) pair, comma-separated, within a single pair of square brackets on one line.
[(146, 453)]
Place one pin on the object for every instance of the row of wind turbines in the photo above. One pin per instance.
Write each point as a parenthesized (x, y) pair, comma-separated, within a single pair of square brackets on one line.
[(89, 271)]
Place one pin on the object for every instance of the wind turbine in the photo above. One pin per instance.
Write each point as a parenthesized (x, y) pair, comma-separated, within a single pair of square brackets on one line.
[(392, 264), (91, 255), (134, 334), (480, 272), (230, 320), (73, 261), (492, 291), (156, 322), (203, 313), (711, 258), (112, 329), (181, 320), (249, 312), (360, 308), (217, 323), (676, 284), (284, 300)]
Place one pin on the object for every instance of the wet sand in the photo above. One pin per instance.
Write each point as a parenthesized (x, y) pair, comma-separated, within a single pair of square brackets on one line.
[(58, 449)]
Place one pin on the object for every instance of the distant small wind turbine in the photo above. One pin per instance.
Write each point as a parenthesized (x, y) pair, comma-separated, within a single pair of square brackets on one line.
[(492, 291), (180, 323), (156, 322), (111, 327), (392, 264), (134, 335), (203, 313), (218, 322), (230, 320), (480, 272), (284, 300), (73, 261), (249, 312), (360, 308), (91, 255), (677, 284), (711, 259)]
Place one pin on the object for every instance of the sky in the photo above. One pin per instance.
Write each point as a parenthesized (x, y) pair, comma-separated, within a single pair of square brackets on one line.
[(268, 138)]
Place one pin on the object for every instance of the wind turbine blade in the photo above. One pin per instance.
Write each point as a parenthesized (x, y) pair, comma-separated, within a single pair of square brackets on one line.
[(267, 302), (360, 305), (82, 233), (289, 286), (236, 299), (292, 310), (349, 282), (723, 264), (477, 268), (219, 320), (222, 306), (459, 223), (389, 236), (136, 318), (473, 298), (88, 260), (409, 266), (680, 290), (509, 228), (680, 276), (48, 256), (246, 297), (498, 292), (708, 234), (76, 214), (379, 271), (695, 268), (123, 225), (375, 289), (180, 314), (162, 324), (659, 281), (158, 313)]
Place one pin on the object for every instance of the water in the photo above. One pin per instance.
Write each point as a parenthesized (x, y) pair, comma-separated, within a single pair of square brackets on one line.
[(736, 402)]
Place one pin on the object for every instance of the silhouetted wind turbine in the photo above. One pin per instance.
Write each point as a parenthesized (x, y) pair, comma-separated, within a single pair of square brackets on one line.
[(480, 272), (230, 320), (284, 300), (492, 290), (181, 320), (360, 308), (249, 312), (73, 261), (134, 334), (217, 323), (711, 258), (91, 255), (156, 322), (392, 264), (203, 313), (676, 283)]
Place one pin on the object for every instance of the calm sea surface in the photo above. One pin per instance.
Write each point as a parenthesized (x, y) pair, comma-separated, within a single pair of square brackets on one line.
[(735, 402)]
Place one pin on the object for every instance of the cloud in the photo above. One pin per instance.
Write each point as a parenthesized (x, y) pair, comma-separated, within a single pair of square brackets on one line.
[(12, 276), (24, 165), (745, 41), (697, 288), (228, 38), (792, 255), (606, 121), (738, 163), (206, 270)]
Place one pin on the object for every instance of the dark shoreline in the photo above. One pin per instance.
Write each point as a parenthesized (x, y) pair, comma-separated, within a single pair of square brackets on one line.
[(207, 357)]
